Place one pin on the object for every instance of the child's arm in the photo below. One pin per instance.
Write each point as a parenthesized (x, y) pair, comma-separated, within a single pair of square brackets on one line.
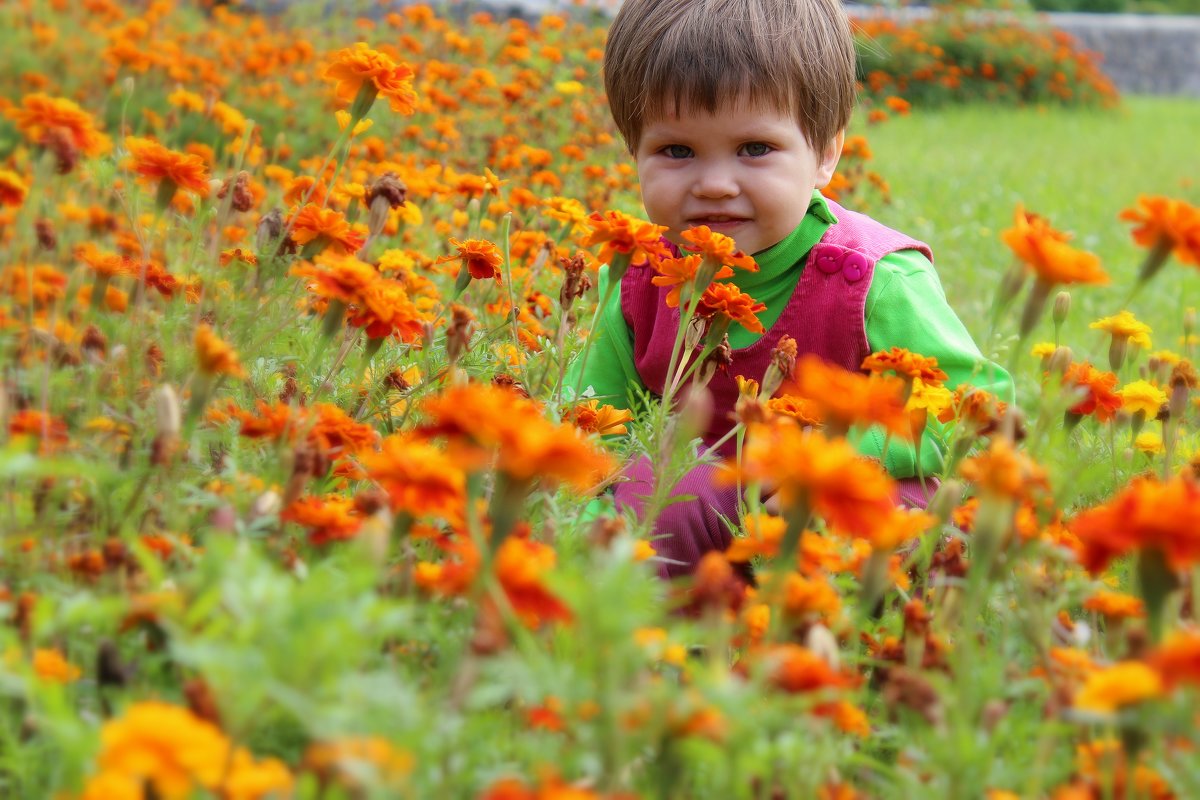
[(906, 307), (610, 371)]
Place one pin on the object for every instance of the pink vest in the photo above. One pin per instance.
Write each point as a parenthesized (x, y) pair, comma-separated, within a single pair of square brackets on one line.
[(825, 315)]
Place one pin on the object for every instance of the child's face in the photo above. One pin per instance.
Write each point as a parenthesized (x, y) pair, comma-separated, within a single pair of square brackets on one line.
[(748, 174)]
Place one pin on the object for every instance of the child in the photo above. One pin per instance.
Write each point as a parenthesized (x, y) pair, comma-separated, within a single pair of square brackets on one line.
[(735, 112)]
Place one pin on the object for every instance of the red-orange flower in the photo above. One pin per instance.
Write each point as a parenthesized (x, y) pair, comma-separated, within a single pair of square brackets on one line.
[(1100, 399), (331, 518), (12, 188), (482, 258), (341, 278), (1046, 252), (843, 399), (905, 364), (728, 301), (1004, 471), (47, 428), (384, 309), (619, 233), (793, 668), (41, 115), (154, 162), (325, 227), (853, 494), (1147, 513), (419, 478), (717, 246), (482, 419), (520, 566), (1167, 224), (1178, 659), (680, 272), (353, 67)]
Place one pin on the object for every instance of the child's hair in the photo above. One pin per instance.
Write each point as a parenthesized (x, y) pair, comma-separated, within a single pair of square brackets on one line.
[(668, 56)]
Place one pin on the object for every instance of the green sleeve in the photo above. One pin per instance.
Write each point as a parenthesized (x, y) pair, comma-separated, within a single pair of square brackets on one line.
[(906, 307), (610, 373)]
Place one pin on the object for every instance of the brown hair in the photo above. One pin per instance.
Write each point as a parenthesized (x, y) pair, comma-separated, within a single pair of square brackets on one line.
[(667, 56)]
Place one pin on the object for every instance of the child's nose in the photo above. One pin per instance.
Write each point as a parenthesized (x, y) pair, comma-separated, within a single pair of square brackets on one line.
[(715, 181)]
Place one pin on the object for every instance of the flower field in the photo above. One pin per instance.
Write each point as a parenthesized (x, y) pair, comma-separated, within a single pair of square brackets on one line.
[(302, 501)]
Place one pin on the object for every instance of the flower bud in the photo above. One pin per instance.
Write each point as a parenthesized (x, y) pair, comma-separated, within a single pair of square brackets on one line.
[(821, 641), (168, 414), (695, 411), (266, 504), (1062, 307), (1061, 360)]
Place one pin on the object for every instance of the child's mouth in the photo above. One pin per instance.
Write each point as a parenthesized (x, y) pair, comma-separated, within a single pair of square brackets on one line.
[(718, 223)]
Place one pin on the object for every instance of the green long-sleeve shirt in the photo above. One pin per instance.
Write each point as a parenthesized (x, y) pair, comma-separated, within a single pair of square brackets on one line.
[(905, 307)]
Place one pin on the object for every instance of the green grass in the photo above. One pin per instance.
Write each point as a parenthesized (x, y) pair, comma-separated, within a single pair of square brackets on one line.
[(957, 174)]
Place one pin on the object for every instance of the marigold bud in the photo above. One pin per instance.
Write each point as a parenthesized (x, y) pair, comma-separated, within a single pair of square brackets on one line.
[(821, 641), (1062, 307), (168, 415)]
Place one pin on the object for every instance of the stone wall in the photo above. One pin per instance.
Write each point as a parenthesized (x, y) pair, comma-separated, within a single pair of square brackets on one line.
[(1141, 54)]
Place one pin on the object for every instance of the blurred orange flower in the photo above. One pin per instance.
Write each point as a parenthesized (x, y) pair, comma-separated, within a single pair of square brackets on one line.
[(418, 477), (1124, 683), (332, 518), (520, 566), (1177, 660), (1100, 399), (1147, 513), (854, 495), (41, 115), (718, 247), (214, 356), (1004, 471), (906, 364), (12, 188), (843, 399), (1046, 252), (50, 665), (354, 67), (793, 668), (339, 277), (1166, 224), (154, 162)]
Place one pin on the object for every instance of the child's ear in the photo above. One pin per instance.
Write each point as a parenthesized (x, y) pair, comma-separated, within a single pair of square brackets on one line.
[(829, 157)]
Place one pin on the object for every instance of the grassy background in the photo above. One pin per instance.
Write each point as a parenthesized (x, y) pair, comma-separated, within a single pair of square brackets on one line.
[(958, 173)]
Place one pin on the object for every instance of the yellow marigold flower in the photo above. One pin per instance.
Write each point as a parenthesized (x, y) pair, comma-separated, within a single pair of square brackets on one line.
[(214, 356), (51, 665), (1142, 396), (1167, 356), (1125, 325), (1149, 443), (932, 397), (1043, 349), (1124, 683), (568, 87)]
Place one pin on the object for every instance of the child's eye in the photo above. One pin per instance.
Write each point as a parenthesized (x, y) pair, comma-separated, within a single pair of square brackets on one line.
[(677, 151), (756, 149)]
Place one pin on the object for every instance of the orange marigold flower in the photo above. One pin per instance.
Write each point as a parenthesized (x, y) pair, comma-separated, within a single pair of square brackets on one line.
[(154, 162), (852, 494), (324, 227), (335, 432), (679, 273), (419, 478), (618, 233), (1124, 683), (718, 247), (214, 356), (481, 258), (1099, 399), (979, 408), (906, 364), (1004, 471), (332, 518), (804, 411), (384, 309), (848, 718), (41, 115), (591, 417), (1167, 225), (49, 429), (12, 188), (793, 668), (354, 67), (1046, 252), (50, 665), (1177, 660), (520, 566), (843, 399), (343, 278), (1146, 513), (729, 302), (482, 419), (1115, 605)]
